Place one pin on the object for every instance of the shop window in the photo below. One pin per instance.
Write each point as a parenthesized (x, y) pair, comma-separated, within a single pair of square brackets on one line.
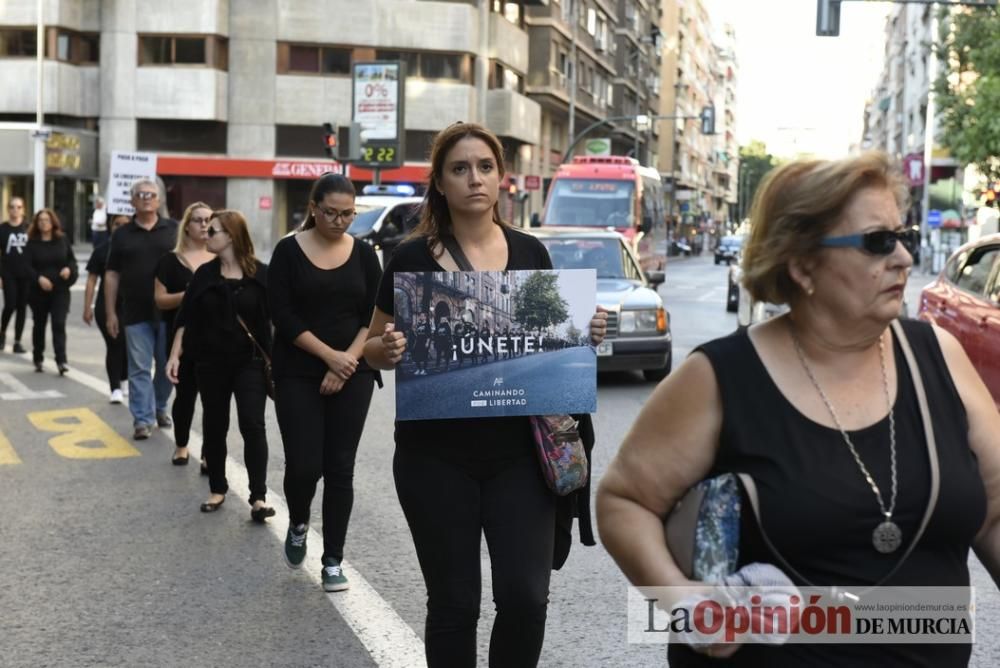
[(207, 50), (181, 136), (17, 42)]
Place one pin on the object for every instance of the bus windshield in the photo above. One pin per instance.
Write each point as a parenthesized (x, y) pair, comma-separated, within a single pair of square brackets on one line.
[(591, 203)]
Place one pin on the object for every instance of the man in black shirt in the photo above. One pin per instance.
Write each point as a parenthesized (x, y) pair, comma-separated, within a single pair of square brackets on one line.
[(136, 248), (15, 272), (421, 344), (442, 343)]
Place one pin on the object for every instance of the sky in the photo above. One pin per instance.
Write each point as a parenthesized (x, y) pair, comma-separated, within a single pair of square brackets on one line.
[(796, 92)]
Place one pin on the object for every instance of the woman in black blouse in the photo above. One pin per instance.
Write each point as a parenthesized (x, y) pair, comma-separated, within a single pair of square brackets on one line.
[(173, 273), (322, 287), (53, 270), (226, 295), (115, 355), (459, 478)]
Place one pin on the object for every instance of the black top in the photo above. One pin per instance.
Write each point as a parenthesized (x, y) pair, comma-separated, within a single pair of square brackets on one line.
[(208, 315), (819, 511), (134, 254), (48, 258), (333, 304), (472, 438), (175, 276), (97, 264), (13, 262)]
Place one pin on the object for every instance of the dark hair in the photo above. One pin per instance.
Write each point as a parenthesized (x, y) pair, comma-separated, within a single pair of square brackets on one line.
[(235, 225), (33, 231), (323, 186), (435, 218)]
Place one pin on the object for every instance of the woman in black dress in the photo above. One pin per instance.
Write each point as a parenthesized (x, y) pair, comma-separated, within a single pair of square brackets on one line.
[(225, 304), (173, 273), (458, 478), (115, 354), (53, 270), (322, 285)]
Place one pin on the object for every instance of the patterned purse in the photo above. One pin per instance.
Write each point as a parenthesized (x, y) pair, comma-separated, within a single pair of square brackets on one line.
[(703, 529), (560, 452)]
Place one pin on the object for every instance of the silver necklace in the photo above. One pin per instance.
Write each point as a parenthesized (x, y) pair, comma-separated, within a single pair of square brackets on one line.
[(887, 536)]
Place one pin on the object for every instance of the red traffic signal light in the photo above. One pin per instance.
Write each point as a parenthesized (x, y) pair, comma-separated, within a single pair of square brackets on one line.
[(330, 140)]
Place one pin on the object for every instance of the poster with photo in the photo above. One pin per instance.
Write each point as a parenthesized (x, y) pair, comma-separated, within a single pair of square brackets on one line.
[(495, 343)]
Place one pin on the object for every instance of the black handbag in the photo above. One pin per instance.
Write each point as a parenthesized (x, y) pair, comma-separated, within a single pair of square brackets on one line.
[(268, 377)]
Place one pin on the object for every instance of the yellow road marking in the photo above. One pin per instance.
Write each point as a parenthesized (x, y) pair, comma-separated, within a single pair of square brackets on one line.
[(7, 454), (83, 435)]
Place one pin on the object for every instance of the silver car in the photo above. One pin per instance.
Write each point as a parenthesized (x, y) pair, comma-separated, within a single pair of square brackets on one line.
[(638, 335)]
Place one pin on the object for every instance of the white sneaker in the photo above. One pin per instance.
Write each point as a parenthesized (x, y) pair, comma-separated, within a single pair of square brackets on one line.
[(117, 397)]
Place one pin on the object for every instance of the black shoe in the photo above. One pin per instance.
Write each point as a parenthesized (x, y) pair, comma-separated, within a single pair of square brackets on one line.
[(179, 461), (3, 341), (260, 515), (18, 348), (163, 421), (63, 369), (38, 367), (209, 507)]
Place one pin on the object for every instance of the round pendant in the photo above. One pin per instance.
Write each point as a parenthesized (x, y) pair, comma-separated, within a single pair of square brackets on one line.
[(887, 537)]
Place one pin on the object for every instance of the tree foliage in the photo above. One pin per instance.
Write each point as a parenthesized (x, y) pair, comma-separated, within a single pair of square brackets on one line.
[(755, 162), (538, 304), (968, 88)]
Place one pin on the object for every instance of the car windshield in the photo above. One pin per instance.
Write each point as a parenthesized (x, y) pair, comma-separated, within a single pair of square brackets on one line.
[(732, 242), (604, 255), (365, 220), (590, 203)]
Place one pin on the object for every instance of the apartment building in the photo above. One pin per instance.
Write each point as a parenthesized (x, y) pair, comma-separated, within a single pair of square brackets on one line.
[(699, 68), (231, 94)]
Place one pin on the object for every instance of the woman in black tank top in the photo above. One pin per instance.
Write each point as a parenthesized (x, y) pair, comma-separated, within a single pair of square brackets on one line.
[(820, 408)]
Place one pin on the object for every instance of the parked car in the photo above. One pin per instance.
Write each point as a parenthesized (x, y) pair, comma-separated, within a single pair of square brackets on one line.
[(728, 249), (384, 220), (965, 300), (638, 335)]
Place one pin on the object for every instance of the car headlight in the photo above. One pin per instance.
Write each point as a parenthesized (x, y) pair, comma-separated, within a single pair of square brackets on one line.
[(643, 321)]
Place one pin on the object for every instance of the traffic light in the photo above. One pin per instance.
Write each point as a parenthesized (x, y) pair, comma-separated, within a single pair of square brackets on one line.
[(827, 18), (330, 140), (708, 120), (349, 142)]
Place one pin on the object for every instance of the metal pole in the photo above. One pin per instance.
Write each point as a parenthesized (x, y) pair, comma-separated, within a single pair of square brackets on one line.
[(673, 159), (483, 61), (377, 176), (38, 201), (925, 199), (572, 76)]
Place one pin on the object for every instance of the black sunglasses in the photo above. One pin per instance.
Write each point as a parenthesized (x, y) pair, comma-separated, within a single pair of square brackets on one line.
[(212, 231), (879, 242)]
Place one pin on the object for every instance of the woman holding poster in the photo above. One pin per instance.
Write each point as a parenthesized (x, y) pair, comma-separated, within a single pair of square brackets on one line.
[(457, 478)]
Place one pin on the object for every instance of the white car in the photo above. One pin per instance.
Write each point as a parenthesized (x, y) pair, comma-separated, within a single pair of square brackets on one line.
[(385, 220)]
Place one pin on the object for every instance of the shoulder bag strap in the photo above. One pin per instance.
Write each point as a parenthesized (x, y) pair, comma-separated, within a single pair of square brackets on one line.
[(932, 456), (451, 244), (260, 349)]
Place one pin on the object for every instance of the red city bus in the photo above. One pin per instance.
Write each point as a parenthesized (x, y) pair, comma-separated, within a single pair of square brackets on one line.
[(612, 192)]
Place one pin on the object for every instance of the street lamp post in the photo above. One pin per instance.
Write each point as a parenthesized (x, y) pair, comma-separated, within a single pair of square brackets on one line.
[(39, 134)]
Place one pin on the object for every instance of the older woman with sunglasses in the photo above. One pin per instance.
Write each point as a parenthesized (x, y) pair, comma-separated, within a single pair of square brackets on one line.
[(222, 326), (173, 273), (820, 408)]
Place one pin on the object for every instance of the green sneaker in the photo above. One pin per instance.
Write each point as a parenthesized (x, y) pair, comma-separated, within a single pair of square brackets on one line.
[(333, 576), (295, 545)]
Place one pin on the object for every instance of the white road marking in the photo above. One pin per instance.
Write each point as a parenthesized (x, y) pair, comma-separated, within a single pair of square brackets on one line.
[(388, 638), (20, 391)]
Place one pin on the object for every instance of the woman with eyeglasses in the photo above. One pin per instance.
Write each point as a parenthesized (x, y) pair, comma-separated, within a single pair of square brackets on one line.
[(173, 274), (322, 287), (821, 409), (115, 353), (53, 270), (222, 327)]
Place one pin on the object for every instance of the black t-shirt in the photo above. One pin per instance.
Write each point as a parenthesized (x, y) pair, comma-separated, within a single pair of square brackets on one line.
[(422, 332), (134, 254), (464, 438), (332, 304), (175, 276), (96, 265), (13, 262), (48, 258)]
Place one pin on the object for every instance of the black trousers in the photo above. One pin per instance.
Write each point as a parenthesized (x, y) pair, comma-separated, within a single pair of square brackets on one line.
[(448, 505), (15, 300), (115, 351), (46, 305), (321, 434), (185, 398), (217, 384)]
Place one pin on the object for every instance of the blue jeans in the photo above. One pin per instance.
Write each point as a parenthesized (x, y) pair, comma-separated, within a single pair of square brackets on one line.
[(146, 342)]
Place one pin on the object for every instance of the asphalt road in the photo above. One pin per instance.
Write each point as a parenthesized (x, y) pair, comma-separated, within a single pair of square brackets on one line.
[(106, 561)]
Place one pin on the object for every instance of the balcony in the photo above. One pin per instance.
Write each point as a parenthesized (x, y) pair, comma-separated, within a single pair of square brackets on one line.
[(508, 43), (510, 114), (70, 90), (182, 93)]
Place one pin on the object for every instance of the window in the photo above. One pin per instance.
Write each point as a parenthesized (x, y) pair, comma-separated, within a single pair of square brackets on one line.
[(509, 10), (300, 141), (313, 59), (303, 59), (17, 42), (208, 50), (432, 65), (977, 270), (336, 61), (90, 48), (63, 41), (591, 21), (181, 136), (568, 6)]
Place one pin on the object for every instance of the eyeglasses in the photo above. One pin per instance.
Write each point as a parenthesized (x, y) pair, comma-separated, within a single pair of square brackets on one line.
[(15, 206), (332, 214), (200, 221), (146, 194), (879, 242), (212, 231)]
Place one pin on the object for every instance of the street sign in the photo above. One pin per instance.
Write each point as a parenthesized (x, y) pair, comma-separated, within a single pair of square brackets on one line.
[(532, 182), (913, 168), (934, 218), (126, 169), (379, 92)]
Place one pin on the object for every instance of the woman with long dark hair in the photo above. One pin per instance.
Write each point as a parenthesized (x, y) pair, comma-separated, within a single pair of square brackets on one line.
[(322, 285), (173, 274), (222, 324), (459, 478), (115, 354), (53, 270)]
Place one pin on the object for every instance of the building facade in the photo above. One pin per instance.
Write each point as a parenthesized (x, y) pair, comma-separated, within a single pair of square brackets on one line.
[(231, 95)]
